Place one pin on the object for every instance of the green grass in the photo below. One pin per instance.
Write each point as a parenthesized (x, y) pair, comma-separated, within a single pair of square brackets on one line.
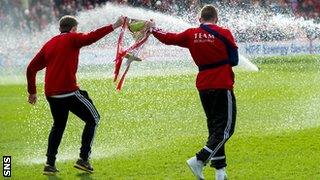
[(155, 124)]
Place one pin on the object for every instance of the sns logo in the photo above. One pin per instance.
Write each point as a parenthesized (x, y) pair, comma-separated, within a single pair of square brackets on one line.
[(6, 166)]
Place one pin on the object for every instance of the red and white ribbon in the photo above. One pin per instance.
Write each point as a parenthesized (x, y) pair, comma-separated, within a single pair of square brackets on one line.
[(121, 52)]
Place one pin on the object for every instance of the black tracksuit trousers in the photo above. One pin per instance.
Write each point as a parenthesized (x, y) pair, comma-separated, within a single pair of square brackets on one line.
[(220, 108), (81, 105)]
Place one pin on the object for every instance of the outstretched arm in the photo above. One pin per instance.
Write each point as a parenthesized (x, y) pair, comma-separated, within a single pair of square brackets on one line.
[(37, 64), (85, 39), (178, 39)]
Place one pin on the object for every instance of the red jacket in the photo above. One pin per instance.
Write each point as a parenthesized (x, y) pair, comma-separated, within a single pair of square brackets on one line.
[(204, 49), (60, 57)]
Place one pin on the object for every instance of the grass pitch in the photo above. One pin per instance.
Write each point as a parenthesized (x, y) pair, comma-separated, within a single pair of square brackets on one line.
[(155, 124)]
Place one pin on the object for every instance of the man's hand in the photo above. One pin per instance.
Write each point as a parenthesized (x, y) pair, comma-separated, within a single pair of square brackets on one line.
[(149, 25), (119, 22), (32, 99)]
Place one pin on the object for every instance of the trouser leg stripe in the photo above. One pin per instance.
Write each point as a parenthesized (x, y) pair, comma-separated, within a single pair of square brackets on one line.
[(89, 106), (218, 158), (93, 111), (228, 127), (208, 149)]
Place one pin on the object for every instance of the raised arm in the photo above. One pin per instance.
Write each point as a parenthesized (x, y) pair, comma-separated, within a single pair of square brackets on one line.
[(85, 39), (37, 64)]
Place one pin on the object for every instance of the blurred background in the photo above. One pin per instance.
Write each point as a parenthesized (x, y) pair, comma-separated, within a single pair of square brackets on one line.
[(35, 15)]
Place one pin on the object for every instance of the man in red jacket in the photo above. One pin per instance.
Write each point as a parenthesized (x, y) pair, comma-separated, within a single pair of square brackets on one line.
[(210, 52), (60, 58)]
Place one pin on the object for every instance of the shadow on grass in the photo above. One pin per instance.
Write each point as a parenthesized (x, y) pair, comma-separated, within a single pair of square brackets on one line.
[(84, 176)]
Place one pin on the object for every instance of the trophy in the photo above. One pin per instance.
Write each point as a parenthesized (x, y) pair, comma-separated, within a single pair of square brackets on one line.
[(139, 32)]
